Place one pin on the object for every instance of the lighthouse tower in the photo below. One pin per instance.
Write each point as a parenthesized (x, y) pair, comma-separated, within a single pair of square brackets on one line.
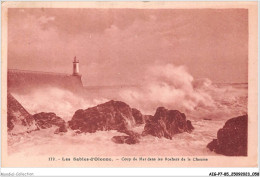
[(75, 67)]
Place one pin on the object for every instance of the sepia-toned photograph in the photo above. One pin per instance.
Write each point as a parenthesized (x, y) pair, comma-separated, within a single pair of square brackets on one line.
[(91, 82)]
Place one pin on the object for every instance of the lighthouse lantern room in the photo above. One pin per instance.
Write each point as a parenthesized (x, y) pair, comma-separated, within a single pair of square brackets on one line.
[(75, 67)]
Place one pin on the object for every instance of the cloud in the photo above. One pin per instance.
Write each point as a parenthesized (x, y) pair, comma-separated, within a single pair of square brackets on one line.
[(121, 42)]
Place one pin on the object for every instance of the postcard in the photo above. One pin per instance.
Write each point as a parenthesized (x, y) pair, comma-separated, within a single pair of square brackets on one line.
[(129, 84)]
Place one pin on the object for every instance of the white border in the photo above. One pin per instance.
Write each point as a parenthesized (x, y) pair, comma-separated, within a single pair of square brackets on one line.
[(126, 171)]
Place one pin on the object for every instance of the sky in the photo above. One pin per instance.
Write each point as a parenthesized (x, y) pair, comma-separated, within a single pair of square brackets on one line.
[(117, 46)]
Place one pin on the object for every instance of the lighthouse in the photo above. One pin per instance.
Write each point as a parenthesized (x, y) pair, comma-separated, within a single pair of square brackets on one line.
[(75, 67)]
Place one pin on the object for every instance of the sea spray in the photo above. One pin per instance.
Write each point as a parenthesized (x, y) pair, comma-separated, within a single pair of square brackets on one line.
[(174, 88), (60, 101)]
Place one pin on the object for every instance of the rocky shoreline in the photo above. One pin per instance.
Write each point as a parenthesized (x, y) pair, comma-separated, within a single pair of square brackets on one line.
[(232, 139), (116, 115)]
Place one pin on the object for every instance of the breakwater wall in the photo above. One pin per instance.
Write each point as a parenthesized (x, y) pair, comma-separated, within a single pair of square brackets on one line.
[(23, 80)]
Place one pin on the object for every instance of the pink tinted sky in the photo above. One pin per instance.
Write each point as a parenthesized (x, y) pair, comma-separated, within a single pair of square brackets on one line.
[(115, 46)]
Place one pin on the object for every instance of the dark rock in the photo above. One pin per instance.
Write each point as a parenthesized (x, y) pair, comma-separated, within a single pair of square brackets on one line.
[(77, 132), (125, 139), (232, 138), (61, 129), (112, 115), (206, 119), (47, 120), (212, 144), (166, 123), (138, 116), (189, 125), (18, 119), (148, 118)]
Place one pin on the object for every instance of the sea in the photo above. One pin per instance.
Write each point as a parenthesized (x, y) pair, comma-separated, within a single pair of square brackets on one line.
[(208, 105)]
